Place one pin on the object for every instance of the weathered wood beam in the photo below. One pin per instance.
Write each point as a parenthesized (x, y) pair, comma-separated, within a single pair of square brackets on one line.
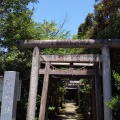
[(74, 64), (76, 82), (71, 58), (84, 43), (67, 72), (71, 88), (71, 84), (61, 77)]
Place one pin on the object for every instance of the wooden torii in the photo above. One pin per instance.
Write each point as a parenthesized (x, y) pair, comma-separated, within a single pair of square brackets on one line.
[(69, 72), (104, 44)]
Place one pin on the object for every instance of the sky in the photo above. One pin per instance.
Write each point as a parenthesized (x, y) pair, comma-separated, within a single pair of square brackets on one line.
[(75, 10)]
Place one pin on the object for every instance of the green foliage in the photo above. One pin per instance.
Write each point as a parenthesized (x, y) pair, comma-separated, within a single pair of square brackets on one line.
[(117, 80), (86, 86), (19, 27), (51, 108), (114, 103), (85, 29), (85, 99), (14, 15), (14, 59), (75, 37), (98, 24), (50, 30)]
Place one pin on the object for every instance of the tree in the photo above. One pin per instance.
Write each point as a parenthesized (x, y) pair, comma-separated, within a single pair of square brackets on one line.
[(85, 29), (105, 13), (13, 10)]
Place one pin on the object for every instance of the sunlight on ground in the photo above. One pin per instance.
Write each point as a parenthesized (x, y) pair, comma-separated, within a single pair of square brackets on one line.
[(69, 112)]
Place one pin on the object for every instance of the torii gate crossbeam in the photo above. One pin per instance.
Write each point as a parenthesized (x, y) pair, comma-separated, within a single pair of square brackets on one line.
[(85, 43)]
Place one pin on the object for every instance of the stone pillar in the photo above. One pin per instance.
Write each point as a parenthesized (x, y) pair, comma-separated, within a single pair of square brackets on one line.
[(44, 97), (106, 81), (33, 85), (9, 95)]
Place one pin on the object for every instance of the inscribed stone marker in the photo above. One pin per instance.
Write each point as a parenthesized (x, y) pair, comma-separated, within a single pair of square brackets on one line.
[(9, 96)]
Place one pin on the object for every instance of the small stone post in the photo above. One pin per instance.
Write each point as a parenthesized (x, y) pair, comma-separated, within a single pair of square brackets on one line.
[(9, 95)]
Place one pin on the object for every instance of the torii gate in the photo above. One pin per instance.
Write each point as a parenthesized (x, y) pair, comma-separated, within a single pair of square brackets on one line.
[(71, 59), (90, 43)]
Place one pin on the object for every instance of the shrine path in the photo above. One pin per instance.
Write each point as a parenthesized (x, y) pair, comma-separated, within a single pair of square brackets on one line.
[(70, 112)]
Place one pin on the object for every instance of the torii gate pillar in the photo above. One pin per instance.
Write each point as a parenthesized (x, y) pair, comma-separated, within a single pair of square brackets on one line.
[(44, 98), (106, 82), (33, 85)]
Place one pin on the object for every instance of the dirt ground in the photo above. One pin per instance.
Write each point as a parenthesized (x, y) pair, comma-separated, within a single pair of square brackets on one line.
[(70, 112)]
